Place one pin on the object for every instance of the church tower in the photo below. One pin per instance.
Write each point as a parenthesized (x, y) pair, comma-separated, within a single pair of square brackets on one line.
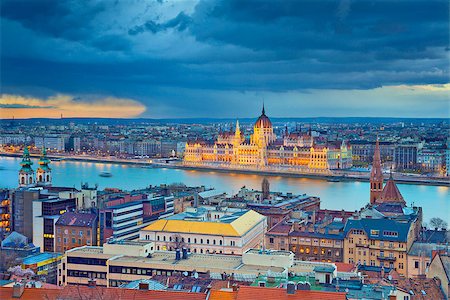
[(26, 173), (376, 175), (44, 172)]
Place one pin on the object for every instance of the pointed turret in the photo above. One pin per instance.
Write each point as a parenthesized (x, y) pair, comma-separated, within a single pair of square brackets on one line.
[(376, 175), (26, 172), (263, 113), (44, 172), (238, 129), (391, 193)]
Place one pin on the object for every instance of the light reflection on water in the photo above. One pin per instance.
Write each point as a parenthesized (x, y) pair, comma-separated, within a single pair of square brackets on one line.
[(435, 200)]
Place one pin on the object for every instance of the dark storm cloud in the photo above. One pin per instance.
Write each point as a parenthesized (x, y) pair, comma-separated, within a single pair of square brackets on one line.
[(136, 49), (68, 19), (368, 26), (180, 23)]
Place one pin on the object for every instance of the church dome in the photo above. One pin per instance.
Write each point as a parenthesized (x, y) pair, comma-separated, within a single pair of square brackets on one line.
[(263, 121)]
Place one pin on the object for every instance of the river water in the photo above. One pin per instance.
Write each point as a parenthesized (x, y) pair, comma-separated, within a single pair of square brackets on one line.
[(435, 200)]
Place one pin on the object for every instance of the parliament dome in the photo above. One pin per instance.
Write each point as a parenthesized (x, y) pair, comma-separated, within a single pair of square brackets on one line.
[(263, 121)]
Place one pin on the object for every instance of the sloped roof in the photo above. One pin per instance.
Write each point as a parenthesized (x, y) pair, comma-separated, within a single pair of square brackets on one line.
[(391, 193), (83, 292), (76, 219), (370, 226), (238, 227), (252, 292), (222, 295)]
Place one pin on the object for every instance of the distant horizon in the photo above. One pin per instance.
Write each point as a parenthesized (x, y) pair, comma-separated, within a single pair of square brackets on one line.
[(227, 118)]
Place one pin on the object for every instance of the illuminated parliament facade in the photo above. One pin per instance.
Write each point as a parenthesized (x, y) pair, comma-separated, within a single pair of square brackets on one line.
[(263, 150)]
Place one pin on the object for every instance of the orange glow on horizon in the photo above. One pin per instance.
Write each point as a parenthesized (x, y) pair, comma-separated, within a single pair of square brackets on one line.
[(27, 107)]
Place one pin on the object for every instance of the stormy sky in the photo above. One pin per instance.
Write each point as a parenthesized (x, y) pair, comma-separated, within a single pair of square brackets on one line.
[(223, 58)]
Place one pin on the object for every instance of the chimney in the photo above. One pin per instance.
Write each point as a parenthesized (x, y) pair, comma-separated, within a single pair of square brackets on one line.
[(185, 253), (290, 289), (235, 287), (392, 297), (143, 286), (92, 283), (177, 254), (18, 289)]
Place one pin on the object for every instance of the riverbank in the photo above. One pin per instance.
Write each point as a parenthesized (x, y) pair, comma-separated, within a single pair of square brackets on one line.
[(160, 163), (332, 177)]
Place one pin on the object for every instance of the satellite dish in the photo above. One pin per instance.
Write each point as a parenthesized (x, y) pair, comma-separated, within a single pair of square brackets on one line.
[(185, 273), (195, 275)]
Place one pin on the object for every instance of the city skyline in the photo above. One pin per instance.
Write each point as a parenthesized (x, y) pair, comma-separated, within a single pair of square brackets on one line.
[(194, 59)]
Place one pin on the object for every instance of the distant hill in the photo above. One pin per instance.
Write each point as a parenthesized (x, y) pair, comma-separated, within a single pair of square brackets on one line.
[(111, 121)]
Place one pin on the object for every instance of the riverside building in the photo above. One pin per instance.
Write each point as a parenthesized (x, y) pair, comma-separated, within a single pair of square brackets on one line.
[(264, 150)]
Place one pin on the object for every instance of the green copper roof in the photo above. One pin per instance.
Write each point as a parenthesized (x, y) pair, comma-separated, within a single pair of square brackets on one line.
[(26, 161), (44, 161)]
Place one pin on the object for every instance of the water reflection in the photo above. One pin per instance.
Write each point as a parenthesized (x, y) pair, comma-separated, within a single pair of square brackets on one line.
[(334, 195)]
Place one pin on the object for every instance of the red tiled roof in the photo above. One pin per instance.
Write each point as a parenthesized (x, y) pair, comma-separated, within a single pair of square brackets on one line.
[(84, 292), (391, 193), (222, 295), (280, 228), (252, 292), (344, 267)]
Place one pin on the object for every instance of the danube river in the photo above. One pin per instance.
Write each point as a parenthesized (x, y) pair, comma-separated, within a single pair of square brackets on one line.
[(435, 200)]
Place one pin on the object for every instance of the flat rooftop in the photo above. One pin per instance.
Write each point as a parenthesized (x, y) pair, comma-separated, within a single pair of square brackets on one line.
[(40, 257), (269, 252), (87, 249), (214, 262), (130, 243)]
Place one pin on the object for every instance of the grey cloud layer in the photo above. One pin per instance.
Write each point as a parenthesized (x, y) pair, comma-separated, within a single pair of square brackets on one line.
[(138, 48)]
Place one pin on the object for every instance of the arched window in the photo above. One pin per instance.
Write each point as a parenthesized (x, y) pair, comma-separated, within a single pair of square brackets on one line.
[(48, 177), (22, 180), (40, 177)]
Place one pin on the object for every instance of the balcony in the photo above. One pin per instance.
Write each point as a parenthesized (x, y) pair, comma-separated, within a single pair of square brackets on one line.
[(386, 258), (362, 245)]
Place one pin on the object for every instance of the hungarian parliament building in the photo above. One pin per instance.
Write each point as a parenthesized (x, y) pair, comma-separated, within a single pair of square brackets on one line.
[(263, 150)]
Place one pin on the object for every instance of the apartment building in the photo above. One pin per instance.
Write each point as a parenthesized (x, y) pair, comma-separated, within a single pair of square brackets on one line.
[(379, 242), (75, 229)]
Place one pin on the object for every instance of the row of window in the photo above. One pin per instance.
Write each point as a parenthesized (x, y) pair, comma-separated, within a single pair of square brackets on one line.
[(74, 232), (139, 271), (176, 239), (86, 261), (207, 251), (88, 242), (364, 253), (86, 274), (316, 251)]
